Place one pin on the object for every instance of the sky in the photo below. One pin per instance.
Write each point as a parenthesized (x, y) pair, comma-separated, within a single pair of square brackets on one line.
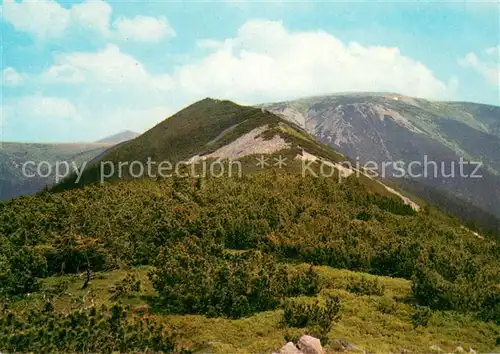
[(82, 70)]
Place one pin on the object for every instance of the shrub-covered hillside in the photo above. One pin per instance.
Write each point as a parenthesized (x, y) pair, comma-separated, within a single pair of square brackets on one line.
[(226, 248)]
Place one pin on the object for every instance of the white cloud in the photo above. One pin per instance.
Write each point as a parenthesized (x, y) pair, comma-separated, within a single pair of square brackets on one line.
[(47, 20), (109, 67), (489, 67), (93, 15), (108, 89), (40, 107), (62, 73), (266, 61), (11, 77), (111, 90), (42, 19), (143, 29), (208, 43), (493, 51)]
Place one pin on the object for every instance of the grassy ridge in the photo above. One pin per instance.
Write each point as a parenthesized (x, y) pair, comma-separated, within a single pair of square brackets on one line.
[(378, 324), (192, 131), (200, 129)]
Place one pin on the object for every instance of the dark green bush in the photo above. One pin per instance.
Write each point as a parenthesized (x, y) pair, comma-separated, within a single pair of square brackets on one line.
[(478, 295), (19, 270), (89, 331), (72, 254), (191, 277), (365, 216), (365, 286), (391, 204), (301, 282), (314, 315), (420, 316), (387, 306), (294, 219), (126, 287)]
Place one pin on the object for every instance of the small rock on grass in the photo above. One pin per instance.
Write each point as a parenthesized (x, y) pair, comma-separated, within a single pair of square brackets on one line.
[(310, 345), (435, 348), (289, 348)]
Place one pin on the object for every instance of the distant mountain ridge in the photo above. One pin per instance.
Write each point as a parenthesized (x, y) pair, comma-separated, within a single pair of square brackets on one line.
[(13, 156), (119, 137), (390, 127)]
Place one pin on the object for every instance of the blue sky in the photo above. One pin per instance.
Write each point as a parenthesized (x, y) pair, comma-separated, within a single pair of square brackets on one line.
[(78, 71)]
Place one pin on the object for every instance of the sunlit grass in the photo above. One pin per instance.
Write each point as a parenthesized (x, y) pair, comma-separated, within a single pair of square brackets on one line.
[(365, 320)]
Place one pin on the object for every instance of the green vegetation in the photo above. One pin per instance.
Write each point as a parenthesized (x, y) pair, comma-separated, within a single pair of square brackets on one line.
[(199, 129), (195, 130), (127, 287), (223, 250), (421, 316), (238, 264), (320, 318), (83, 331), (366, 287), (198, 278), (361, 321)]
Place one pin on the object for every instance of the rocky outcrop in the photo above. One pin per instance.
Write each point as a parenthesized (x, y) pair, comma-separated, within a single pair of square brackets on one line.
[(310, 345), (289, 348), (305, 345)]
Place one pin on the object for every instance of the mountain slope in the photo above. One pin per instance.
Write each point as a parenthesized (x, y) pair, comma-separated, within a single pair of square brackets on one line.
[(197, 237), (219, 130), (239, 263), (391, 128), (211, 130)]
